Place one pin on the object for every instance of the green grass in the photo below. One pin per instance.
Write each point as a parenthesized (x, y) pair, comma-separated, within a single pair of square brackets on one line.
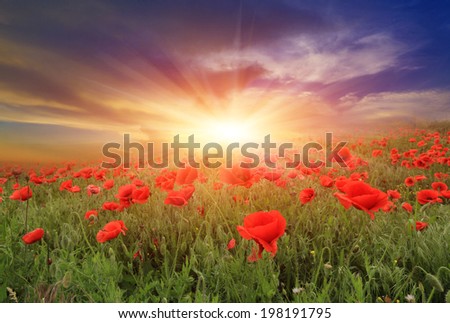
[(328, 254)]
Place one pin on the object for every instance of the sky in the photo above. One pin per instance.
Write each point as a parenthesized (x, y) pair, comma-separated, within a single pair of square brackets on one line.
[(75, 75)]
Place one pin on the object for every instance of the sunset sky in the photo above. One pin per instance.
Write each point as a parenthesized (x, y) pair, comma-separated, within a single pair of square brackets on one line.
[(77, 74)]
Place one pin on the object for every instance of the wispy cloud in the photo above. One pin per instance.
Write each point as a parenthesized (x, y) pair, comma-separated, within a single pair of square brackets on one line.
[(324, 59), (398, 106)]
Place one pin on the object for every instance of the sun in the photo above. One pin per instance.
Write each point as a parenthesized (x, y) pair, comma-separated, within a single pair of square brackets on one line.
[(207, 129), (241, 119), (229, 131), (226, 130)]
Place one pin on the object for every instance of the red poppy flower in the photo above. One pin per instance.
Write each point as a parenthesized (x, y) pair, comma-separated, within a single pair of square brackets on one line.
[(137, 182), (326, 181), (231, 244), (125, 192), (186, 176), (33, 236), (217, 186), (1, 190), (51, 180), (140, 195), (345, 154), (112, 206), (86, 173), (100, 174), (180, 198), (304, 171), (111, 231), (238, 176), (67, 185), (439, 186), (75, 189), (363, 197), (410, 181), (407, 207), (359, 176), (421, 225), (388, 207), (440, 175), (292, 174), (166, 180), (92, 189), (107, 185), (48, 171), (428, 196), (273, 175), (306, 195), (341, 181), (377, 153), (264, 228), (22, 194), (421, 143), (281, 183), (90, 215), (37, 179), (420, 177), (394, 194)]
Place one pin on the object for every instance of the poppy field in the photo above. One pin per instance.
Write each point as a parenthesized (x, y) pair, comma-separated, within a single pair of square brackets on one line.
[(377, 230)]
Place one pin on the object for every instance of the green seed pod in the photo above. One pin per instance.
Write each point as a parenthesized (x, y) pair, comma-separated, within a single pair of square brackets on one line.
[(67, 279), (434, 282)]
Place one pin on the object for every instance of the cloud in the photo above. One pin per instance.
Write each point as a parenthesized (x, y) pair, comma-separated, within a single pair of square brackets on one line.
[(408, 107), (221, 83), (309, 59)]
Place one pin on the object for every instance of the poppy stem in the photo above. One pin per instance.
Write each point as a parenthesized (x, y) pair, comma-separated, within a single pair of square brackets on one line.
[(28, 202), (26, 213), (48, 262)]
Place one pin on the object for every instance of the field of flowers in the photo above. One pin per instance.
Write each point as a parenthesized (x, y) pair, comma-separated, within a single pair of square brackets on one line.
[(375, 231)]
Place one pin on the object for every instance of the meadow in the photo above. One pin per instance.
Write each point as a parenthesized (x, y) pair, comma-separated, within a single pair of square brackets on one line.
[(376, 231)]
